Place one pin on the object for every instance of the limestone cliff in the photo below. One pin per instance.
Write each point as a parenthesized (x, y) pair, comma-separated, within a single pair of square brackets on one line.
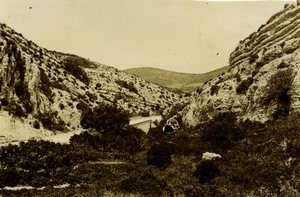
[(263, 80)]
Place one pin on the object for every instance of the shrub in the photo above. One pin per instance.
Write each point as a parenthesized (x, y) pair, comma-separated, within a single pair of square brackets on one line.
[(237, 77), (130, 86), (73, 65), (98, 86), (50, 121), (61, 106), (145, 183), (244, 85), (199, 90), (259, 64), (206, 171), (59, 85), (120, 96), (253, 58), (9, 177), (91, 96), (129, 140), (159, 155), (283, 65), (36, 124), (82, 105), (214, 89), (254, 73), (222, 131), (105, 117), (45, 85), (145, 113), (279, 86)]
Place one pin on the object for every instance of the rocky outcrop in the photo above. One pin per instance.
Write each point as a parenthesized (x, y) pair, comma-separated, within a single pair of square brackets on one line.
[(262, 82), (36, 82)]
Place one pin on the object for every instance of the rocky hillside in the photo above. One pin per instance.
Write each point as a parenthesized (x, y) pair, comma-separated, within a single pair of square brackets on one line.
[(174, 80), (52, 88), (263, 81)]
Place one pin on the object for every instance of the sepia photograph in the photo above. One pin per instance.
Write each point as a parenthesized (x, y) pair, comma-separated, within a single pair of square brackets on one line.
[(149, 98)]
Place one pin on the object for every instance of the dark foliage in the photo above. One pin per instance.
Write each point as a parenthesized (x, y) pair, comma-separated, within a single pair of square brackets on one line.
[(82, 105), (222, 132), (130, 86), (214, 89), (126, 140), (159, 155), (15, 109), (253, 58), (254, 73), (4, 102), (50, 121), (45, 85), (145, 183), (74, 66), (40, 163), (206, 171), (144, 113), (244, 85), (105, 117), (283, 65), (36, 124), (91, 96), (279, 86)]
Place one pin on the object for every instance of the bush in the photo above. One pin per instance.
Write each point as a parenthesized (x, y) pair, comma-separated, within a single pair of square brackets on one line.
[(253, 58), (82, 105), (36, 124), (206, 171), (129, 140), (214, 89), (145, 183), (91, 96), (279, 86), (254, 73), (283, 65), (244, 85), (73, 65), (130, 86), (159, 155), (46, 85), (105, 117), (259, 64), (222, 132), (16, 110), (61, 106), (50, 121), (145, 113)]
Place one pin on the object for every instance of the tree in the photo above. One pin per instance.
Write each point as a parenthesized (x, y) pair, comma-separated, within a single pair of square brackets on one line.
[(105, 117)]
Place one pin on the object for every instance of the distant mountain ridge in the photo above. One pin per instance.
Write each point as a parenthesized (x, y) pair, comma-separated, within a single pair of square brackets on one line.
[(175, 80)]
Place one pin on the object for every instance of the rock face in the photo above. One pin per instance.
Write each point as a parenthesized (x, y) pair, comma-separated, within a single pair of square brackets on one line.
[(35, 81), (263, 81)]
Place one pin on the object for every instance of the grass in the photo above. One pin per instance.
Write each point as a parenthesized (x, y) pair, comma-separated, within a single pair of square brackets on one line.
[(175, 80)]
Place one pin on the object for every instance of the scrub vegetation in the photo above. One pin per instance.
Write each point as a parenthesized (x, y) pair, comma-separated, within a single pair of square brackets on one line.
[(259, 159)]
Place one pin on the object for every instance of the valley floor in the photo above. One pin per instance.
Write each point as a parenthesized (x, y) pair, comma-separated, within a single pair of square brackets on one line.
[(15, 130)]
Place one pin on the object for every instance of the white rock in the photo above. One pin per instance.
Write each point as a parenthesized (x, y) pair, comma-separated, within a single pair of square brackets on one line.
[(210, 156)]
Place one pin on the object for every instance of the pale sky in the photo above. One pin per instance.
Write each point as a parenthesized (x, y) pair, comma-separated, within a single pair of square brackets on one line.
[(178, 35)]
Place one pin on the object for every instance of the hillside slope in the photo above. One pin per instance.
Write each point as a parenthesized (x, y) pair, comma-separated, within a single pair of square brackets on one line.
[(53, 88), (174, 80), (263, 79)]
